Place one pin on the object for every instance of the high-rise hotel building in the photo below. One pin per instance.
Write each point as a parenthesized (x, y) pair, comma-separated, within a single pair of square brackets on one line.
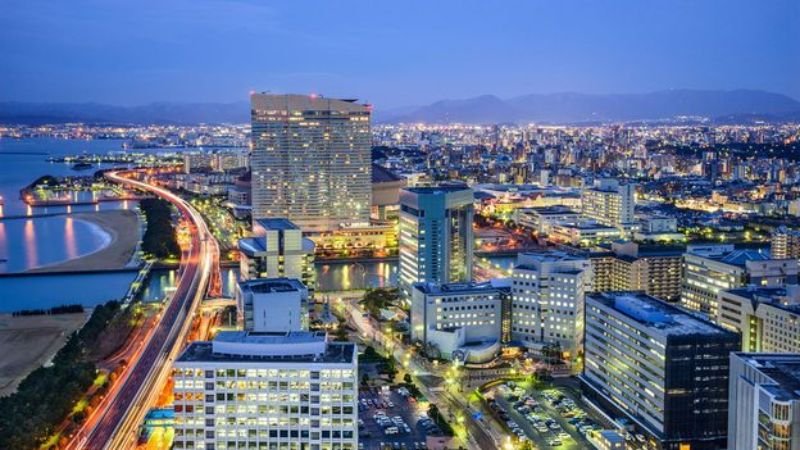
[(311, 160), (436, 238), (263, 391), (663, 369)]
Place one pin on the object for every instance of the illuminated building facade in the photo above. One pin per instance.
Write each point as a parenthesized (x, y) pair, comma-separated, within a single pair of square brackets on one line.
[(547, 300), (709, 269), (311, 160), (247, 390), (436, 238), (611, 203), (767, 318)]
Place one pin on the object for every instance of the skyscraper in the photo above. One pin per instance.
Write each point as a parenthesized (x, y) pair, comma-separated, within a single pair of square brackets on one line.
[(311, 160), (435, 235)]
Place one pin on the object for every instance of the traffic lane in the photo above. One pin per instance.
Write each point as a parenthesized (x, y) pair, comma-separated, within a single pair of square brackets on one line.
[(107, 424), (474, 428)]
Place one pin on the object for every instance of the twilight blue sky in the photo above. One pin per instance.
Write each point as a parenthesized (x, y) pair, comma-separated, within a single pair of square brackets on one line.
[(390, 53)]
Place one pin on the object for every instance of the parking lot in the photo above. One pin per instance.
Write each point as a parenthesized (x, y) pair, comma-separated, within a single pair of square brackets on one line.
[(389, 420), (550, 418)]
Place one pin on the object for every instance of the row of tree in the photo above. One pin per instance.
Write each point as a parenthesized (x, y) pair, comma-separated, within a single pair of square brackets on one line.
[(159, 240), (46, 396), (64, 309)]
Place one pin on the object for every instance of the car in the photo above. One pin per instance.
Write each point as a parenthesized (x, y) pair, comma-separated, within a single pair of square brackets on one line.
[(554, 443), (391, 404), (391, 430)]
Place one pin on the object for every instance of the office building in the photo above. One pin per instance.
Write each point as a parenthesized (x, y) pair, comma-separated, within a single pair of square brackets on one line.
[(462, 321), (272, 304), (764, 402), (611, 203), (767, 318), (547, 301), (785, 244), (663, 369), (311, 160), (629, 266), (277, 249), (436, 239), (248, 390), (709, 269)]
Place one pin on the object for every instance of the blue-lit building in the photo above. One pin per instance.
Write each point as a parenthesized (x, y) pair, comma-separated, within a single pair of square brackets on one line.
[(436, 239)]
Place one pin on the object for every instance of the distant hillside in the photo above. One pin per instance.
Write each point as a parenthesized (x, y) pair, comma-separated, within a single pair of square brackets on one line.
[(577, 108), (740, 106), (161, 113)]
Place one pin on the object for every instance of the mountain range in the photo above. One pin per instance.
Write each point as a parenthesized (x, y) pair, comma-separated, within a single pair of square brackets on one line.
[(595, 108), (720, 106)]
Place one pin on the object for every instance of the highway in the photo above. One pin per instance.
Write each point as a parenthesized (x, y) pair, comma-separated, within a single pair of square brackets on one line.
[(116, 422)]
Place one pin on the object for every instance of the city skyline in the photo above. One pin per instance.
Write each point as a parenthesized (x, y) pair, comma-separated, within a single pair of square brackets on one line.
[(392, 57)]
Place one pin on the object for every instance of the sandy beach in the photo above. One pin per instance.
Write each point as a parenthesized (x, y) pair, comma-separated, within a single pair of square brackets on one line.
[(122, 226), (28, 342)]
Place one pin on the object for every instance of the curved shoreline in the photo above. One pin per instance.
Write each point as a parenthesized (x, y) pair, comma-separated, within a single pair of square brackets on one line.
[(122, 227)]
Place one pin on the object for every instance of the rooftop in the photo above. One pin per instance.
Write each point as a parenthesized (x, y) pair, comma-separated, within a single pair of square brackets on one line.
[(272, 285), (381, 174), (655, 314), (299, 102), (471, 287), (292, 347), (279, 223), (435, 190), (782, 368)]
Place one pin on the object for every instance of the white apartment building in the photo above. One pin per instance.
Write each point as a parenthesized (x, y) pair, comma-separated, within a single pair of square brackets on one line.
[(547, 291), (709, 269), (264, 391), (764, 402), (611, 203), (785, 244), (463, 321), (767, 318), (272, 304)]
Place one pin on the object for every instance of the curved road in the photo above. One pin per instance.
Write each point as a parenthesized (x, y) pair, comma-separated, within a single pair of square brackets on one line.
[(124, 409)]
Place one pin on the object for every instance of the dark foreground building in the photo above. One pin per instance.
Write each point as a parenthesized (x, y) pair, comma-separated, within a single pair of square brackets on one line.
[(661, 369)]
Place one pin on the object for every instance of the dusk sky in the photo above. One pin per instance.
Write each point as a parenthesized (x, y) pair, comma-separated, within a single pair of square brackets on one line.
[(392, 54)]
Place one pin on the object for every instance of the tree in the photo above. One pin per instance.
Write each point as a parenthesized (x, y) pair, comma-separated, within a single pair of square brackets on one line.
[(407, 378), (381, 298)]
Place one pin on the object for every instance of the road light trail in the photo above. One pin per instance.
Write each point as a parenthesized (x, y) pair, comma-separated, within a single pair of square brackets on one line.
[(125, 407)]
